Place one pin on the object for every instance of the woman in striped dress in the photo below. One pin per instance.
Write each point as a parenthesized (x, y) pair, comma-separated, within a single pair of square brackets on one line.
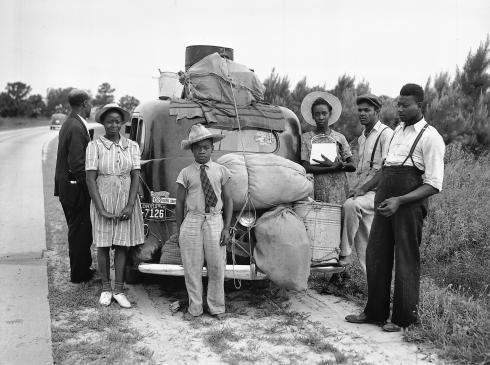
[(113, 167)]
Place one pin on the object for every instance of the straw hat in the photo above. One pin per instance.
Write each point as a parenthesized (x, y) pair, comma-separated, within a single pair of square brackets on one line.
[(329, 98), (106, 108), (199, 133)]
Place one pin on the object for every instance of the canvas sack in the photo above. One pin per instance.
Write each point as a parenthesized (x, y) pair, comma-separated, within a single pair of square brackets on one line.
[(283, 248)]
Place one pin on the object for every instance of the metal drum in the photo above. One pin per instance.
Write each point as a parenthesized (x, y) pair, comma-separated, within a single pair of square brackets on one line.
[(196, 53), (322, 222)]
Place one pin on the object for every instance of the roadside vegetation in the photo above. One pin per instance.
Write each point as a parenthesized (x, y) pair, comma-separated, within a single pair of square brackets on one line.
[(22, 122)]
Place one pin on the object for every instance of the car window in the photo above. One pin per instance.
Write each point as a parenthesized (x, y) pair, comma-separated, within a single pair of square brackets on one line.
[(137, 132), (248, 140)]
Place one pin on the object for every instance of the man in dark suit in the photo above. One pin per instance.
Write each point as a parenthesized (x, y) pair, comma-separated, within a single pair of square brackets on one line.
[(70, 186)]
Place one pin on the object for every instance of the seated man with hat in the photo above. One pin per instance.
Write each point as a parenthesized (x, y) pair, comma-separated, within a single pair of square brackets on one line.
[(202, 188), (359, 207)]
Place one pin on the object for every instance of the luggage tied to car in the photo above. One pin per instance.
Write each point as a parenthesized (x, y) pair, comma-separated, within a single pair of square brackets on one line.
[(283, 248), (222, 80), (263, 181)]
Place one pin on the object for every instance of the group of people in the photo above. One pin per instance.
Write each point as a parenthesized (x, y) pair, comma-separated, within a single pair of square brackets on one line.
[(383, 211)]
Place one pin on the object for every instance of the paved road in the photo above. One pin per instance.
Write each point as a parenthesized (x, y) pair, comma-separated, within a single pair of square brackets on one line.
[(25, 325)]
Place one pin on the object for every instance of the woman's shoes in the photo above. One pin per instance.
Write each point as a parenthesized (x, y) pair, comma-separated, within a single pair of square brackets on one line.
[(122, 300), (105, 298)]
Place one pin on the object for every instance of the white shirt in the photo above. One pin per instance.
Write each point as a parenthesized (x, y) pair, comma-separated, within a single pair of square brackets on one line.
[(364, 171), (84, 123), (428, 155)]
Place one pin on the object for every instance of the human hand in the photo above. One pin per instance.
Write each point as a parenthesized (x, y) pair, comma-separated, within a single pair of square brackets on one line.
[(389, 206), (359, 191), (325, 162), (174, 238), (225, 237), (108, 215), (126, 213)]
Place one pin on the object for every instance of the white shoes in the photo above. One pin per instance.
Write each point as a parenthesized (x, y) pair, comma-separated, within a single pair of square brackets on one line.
[(105, 298), (122, 300)]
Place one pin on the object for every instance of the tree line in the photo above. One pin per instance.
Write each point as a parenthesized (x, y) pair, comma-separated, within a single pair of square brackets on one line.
[(458, 107), (17, 101)]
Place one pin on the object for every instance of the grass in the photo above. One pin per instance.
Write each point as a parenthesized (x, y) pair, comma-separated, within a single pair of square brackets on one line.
[(22, 122), (454, 305)]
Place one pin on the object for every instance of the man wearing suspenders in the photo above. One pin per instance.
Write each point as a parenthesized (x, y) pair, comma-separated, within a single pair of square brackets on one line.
[(413, 171), (359, 208)]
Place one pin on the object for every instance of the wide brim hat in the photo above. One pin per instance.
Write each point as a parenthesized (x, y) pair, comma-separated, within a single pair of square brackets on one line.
[(107, 107), (198, 133), (332, 100)]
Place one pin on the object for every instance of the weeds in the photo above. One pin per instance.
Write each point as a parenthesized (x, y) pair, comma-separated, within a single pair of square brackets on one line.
[(218, 338), (458, 324)]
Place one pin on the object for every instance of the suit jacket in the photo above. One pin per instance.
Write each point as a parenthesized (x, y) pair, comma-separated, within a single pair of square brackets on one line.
[(70, 162)]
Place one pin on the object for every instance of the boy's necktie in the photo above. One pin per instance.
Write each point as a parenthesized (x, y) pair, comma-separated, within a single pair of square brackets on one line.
[(210, 198)]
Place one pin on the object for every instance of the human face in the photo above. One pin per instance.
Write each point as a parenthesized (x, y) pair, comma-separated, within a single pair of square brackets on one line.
[(321, 115), (112, 124), (368, 116), (202, 150), (409, 110)]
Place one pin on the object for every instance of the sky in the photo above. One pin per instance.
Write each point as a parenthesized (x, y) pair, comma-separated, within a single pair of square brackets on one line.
[(62, 43)]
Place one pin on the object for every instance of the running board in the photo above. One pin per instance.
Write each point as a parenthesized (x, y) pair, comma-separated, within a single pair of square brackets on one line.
[(241, 272)]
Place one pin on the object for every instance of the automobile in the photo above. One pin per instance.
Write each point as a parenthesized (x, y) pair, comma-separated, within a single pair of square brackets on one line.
[(56, 120), (158, 131)]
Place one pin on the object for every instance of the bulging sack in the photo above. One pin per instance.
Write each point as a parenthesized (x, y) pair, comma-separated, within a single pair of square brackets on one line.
[(268, 179), (283, 248), (210, 78)]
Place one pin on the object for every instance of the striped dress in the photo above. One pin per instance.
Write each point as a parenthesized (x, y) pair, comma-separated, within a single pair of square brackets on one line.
[(114, 163)]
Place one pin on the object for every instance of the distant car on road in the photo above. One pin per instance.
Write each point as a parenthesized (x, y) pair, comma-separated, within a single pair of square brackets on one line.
[(56, 120)]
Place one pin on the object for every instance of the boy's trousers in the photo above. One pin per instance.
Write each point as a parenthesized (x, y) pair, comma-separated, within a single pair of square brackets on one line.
[(199, 239)]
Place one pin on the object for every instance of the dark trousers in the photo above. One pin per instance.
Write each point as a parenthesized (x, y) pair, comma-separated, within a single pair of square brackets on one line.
[(79, 239), (397, 237)]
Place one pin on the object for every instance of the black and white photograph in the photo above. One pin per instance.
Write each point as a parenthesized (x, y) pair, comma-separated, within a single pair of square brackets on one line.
[(244, 182)]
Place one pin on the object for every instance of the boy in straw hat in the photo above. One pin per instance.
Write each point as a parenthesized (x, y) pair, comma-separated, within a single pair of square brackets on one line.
[(203, 190)]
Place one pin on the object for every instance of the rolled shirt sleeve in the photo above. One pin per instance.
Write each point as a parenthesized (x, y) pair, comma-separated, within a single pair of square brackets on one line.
[(91, 157), (433, 150)]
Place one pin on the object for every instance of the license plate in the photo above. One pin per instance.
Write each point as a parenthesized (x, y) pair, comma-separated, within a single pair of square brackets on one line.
[(156, 212)]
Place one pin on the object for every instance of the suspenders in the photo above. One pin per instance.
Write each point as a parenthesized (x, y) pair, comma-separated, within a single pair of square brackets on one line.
[(415, 144), (371, 163)]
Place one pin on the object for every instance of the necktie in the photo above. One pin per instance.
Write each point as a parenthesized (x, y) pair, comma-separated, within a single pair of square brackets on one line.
[(210, 198)]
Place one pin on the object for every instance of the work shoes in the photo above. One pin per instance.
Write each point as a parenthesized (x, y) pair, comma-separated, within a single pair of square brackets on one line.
[(122, 300), (105, 298), (360, 318), (391, 327), (189, 317), (219, 316)]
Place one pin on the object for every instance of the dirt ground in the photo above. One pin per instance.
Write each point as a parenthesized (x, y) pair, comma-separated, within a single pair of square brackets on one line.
[(261, 327)]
